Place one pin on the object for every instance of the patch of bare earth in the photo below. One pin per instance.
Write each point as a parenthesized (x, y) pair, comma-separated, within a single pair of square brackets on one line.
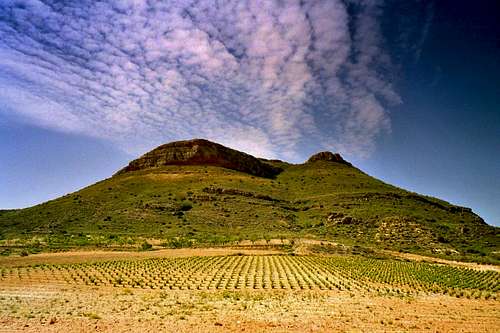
[(81, 309)]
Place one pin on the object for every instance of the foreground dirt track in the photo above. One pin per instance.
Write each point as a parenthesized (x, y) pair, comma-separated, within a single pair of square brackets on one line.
[(47, 309)]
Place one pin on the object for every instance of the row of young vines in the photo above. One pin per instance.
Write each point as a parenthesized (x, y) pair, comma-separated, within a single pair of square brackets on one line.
[(349, 273)]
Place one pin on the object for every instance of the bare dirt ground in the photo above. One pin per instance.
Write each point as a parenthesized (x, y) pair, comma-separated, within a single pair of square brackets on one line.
[(55, 309)]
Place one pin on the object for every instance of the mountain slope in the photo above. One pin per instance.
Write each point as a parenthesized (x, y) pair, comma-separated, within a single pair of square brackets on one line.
[(325, 198)]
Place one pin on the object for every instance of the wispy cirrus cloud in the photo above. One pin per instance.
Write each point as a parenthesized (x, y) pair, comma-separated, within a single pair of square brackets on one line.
[(272, 78)]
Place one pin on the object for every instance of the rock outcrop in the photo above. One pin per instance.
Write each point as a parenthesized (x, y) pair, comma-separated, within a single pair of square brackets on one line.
[(327, 156), (201, 152)]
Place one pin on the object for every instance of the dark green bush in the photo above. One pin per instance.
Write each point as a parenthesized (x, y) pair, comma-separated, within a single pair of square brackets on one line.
[(177, 243), (146, 246), (185, 206)]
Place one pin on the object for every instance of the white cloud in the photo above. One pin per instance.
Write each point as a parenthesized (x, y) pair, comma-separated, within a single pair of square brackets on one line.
[(267, 77)]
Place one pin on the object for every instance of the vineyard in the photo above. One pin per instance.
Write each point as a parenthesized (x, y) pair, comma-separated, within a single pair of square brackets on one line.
[(271, 272)]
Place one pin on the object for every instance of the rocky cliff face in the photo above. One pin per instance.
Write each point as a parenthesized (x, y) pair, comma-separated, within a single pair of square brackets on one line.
[(201, 152), (327, 156)]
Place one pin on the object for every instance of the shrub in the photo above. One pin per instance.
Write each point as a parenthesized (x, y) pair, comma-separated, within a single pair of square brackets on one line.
[(146, 246), (441, 239), (92, 315), (177, 243), (185, 206)]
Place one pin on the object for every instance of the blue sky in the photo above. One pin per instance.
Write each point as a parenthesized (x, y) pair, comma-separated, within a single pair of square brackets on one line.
[(407, 91)]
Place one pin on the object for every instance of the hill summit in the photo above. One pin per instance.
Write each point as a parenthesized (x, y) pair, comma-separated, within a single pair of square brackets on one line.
[(201, 152), (327, 156)]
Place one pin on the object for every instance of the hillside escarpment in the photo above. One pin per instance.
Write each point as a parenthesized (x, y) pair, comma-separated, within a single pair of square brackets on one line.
[(328, 157), (201, 152)]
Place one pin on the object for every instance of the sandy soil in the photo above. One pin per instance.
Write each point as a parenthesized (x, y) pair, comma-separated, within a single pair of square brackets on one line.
[(54, 309)]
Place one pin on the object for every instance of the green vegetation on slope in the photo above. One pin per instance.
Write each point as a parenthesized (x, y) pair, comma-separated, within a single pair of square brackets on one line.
[(191, 205)]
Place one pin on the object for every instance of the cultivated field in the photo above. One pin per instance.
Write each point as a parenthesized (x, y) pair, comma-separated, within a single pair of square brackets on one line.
[(250, 290), (350, 273)]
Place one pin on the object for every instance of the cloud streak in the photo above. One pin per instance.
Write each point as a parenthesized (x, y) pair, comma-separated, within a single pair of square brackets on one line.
[(269, 77)]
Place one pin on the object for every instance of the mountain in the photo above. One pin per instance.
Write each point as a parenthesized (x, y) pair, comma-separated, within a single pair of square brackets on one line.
[(198, 192)]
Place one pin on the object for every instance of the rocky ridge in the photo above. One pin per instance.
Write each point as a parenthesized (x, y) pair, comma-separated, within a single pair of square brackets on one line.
[(204, 152), (201, 152), (328, 157)]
